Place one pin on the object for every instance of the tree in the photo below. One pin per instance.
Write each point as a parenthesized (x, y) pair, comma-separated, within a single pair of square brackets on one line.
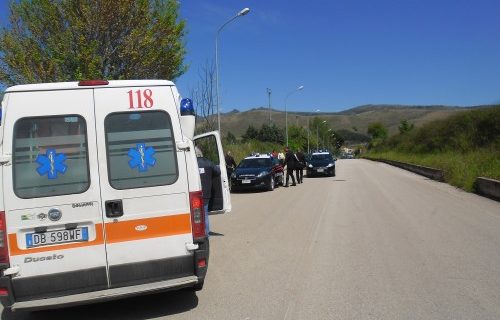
[(231, 138), (204, 96), (297, 138), (377, 130), (405, 126), (63, 40), (271, 133), (251, 133), (379, 134)]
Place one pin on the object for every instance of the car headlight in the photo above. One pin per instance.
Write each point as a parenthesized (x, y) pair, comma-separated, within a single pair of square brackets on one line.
[(330, 165), (263, 174), (310, 165)]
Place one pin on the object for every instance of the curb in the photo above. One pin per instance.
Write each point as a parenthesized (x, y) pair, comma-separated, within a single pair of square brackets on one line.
[(488, 187), (431, 173)]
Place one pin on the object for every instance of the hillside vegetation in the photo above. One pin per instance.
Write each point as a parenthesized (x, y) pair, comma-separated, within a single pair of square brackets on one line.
[(353, 122), (465, 145)]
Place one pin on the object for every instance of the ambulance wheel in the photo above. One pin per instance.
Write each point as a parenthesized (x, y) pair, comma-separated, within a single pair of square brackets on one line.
[(270, 187)]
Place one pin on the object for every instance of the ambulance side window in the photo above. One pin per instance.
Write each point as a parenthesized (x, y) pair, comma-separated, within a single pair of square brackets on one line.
[(50, 156), (140, 149)]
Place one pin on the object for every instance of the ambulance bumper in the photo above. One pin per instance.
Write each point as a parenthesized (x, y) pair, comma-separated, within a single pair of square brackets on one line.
[(105, 295)]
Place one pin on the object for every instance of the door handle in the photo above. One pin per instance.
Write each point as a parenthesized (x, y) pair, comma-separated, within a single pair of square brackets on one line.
[(114, 208)]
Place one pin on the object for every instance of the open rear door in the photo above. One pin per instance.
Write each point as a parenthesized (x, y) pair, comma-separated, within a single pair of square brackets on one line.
[(210, 144)]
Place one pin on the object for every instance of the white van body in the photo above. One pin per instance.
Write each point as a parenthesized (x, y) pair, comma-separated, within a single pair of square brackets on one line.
[(100, 193)]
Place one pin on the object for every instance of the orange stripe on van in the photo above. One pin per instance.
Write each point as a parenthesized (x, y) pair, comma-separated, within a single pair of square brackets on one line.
[(14, 250), (120, 231), (147, 228)]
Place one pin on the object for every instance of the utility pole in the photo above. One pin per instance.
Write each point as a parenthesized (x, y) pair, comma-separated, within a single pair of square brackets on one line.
[(308, 133), (269, 101)]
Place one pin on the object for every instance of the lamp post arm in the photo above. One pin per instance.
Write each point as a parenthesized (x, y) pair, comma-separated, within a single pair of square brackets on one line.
[(217, 67), (286, 113)]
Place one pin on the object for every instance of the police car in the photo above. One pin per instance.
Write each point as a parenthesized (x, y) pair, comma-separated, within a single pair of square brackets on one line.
[(257, 171), (100, 193), (320, 163)]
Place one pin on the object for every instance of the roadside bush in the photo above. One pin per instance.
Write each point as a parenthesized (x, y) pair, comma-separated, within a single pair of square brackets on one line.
[(463, 132)]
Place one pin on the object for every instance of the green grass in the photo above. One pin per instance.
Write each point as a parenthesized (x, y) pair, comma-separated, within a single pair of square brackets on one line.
[(461, 169), (242, 150)]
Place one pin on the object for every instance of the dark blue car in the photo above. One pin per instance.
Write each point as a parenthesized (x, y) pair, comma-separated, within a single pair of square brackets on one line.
[(320, 163), (257, 172)]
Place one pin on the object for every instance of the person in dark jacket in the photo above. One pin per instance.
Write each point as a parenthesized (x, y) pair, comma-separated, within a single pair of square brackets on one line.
[(290, 163), (299, 170), (230, 163), (208, 171)]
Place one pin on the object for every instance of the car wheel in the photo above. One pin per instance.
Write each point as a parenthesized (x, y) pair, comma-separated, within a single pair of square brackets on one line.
[(270, 187)]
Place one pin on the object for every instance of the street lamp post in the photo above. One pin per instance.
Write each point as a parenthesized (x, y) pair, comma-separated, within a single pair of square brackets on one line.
[(269, 101), (323, 141), (309, 132), (286, 113), (239, 14), (317, 134)]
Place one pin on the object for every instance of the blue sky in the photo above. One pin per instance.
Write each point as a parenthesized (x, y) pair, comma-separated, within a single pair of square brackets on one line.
[(346, 52)]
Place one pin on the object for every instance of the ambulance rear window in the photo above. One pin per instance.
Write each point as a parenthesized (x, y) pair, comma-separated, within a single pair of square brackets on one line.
[(50, 156), (140, 149)]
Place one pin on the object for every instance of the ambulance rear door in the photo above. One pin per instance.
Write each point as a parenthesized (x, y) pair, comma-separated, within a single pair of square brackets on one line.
[(145, 194), (51, 194), (211, 146)]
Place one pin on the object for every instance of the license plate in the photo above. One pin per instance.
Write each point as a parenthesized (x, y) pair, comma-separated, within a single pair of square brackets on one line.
[(246, 181), (56, 237), (321, 170)]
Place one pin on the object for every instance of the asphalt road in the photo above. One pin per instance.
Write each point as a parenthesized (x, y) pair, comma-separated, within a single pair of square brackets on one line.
[(374, 242)]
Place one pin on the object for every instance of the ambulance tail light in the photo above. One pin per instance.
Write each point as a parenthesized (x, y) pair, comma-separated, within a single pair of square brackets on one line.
[(197, 215), (4, 251)]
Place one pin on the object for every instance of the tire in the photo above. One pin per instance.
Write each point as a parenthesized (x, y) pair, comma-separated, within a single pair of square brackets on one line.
[(271, 186), (199, 286)]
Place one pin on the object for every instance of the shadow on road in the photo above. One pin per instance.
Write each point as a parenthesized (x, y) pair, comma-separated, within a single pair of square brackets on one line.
[(250, 190), (143, 307), (215, 234)]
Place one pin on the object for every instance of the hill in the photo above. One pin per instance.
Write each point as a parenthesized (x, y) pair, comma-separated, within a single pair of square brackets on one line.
[(355, 120)]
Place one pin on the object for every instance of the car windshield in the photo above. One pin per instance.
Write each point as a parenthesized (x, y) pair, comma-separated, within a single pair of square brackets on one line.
[(255, 163), (321, 157)]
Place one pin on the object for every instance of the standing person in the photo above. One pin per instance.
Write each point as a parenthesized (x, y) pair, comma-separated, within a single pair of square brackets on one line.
[(230, 163), (281, 158), (290, 163), (300, 166), (208, 171)]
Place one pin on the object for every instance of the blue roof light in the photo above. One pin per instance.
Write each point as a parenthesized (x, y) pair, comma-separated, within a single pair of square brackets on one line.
[(187, 107)]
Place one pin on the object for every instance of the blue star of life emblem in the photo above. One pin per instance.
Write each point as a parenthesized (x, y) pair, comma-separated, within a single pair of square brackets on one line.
[(141, 157), (51, 163)]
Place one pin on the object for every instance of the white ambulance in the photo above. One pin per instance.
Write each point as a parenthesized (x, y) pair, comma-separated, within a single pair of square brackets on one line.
[(100, 192)]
